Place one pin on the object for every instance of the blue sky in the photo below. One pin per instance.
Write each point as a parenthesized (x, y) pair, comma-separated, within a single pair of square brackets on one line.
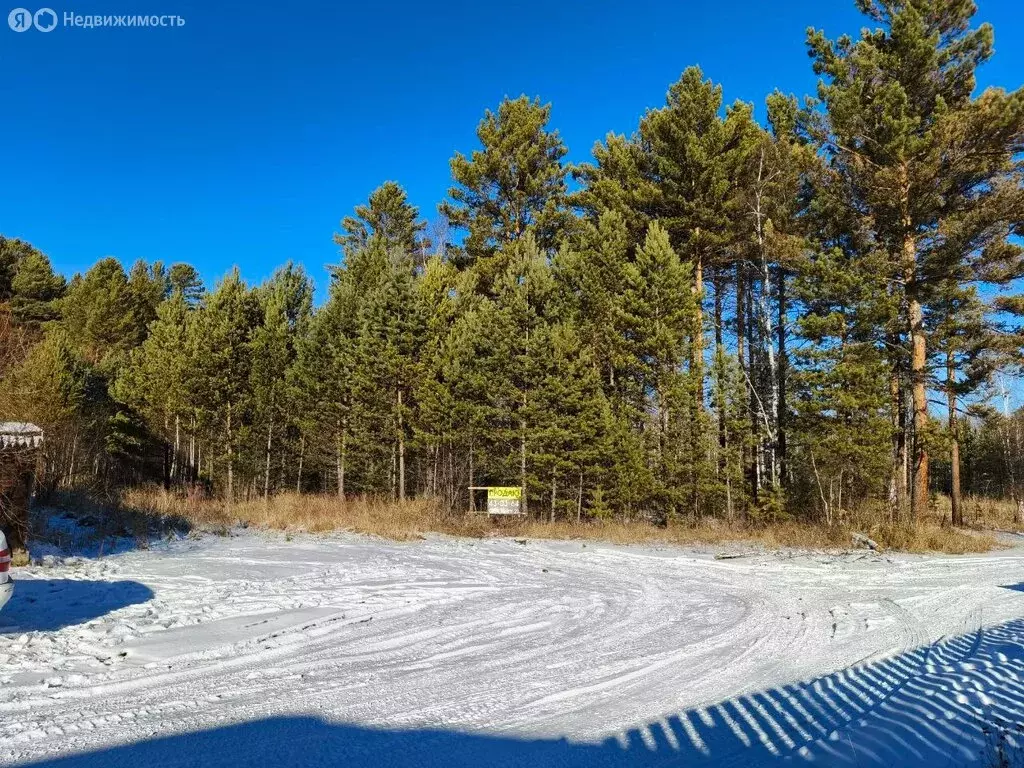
[(244, 136)]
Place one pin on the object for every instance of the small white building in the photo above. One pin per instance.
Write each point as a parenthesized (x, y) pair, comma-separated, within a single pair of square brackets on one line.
[(20, 445), (20, 434)]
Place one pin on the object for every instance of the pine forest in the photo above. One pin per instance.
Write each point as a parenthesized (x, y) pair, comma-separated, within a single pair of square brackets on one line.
[(714, 318)]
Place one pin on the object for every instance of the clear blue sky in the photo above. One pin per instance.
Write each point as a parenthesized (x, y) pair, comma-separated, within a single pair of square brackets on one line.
[(243, 137)]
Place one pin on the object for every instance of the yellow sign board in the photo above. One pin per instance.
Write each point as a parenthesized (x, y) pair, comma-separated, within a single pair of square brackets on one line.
[(498, 492)]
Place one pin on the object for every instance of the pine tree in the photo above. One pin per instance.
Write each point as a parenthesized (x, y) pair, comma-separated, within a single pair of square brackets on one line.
[(841, 428), (54, 388), (386, 347), (147, 287), (592, 279), (516, 182), (933, 168), (682, 169), (771, 197), (389, 216), (12, 252), (157, 380), (185, 278), (323, 382), (434, 423), (222, 340), (286, 302), (524, 300), (966, 353), (661, 316), (96, 313), (35, 291), (566, 417), (476, 363)]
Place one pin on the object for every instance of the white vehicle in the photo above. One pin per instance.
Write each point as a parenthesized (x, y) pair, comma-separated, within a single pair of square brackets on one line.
[(6, 585)]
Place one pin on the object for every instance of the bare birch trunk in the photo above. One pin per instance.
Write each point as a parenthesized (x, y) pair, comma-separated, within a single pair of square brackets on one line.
[(781, 417)]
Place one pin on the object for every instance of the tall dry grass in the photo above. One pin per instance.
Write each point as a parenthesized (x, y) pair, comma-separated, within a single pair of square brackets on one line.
[(413, 519), (980, 513)]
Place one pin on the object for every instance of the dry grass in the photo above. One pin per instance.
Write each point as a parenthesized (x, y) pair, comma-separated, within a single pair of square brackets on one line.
[(928, 537), (101, 520), (412, 519), (980, 513)]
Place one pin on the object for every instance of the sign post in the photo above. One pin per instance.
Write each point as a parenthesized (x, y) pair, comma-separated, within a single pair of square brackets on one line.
[(501, 500)]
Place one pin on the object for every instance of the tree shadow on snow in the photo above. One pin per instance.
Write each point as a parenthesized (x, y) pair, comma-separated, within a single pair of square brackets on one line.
[(956, 702), (44, 605)]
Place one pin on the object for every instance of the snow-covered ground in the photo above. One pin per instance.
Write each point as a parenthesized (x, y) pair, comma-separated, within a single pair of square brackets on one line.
[(257, 649)]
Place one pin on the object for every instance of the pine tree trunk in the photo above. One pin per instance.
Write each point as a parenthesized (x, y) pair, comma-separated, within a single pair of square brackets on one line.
[(741, 315), (522, 462), (177, 449), (436, 450), (898, 481), (266, 468), (167, 460), (749, 449), (282, 463), (954, 453), (401, 450), (781, 417), (745, 363), (341, 461), (472, 477), (231, 461), (579, 500), (302, 456), (553, 496), (451, 478), (71, 460), (918, 360), (759, 427), (728, 499), (697, 350), (1010, 454), (662, 410), (697, 375), (393, 474), (719, 393)]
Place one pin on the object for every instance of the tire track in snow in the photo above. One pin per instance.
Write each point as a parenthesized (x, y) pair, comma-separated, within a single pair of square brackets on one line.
[(548, 639)]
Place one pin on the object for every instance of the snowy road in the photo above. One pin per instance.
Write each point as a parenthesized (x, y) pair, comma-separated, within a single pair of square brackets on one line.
[(351, 651)]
